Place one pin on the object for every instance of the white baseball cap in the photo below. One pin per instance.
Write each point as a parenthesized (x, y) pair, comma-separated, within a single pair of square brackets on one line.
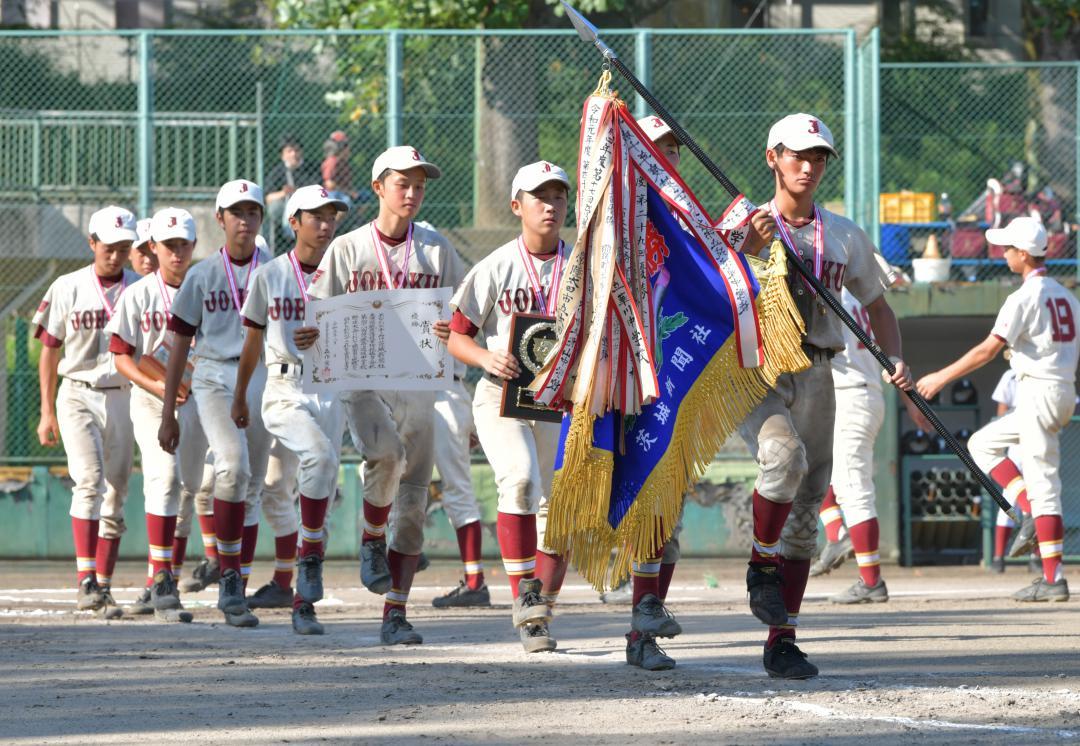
[(1024, 233), (801, 132), (654, 127), (402, 158), (142, 229), (240, 190), (113, 224), (172, 222), (312, 198), (536, 174)]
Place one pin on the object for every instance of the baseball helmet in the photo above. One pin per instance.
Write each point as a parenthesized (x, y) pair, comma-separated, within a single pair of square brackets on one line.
[(916, 443), (940, 446), (964, 393)]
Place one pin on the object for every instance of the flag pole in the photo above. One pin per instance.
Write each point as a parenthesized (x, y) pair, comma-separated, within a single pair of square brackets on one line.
[(588, 32)]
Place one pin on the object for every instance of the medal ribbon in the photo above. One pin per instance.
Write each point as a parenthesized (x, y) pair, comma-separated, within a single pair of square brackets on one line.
[(104, 298), (819, 237), (299, 274), (231, 278), (163, 291), (545, 303), (384, 258)]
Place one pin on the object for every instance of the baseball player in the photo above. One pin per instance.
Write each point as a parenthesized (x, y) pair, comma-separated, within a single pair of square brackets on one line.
[(308, 426), (140, 342), (851, 497), (522, 276), (91, 408), (142, 257), (790, 431), (207, 308), (393, 429), (1038, 324), (453, 433)]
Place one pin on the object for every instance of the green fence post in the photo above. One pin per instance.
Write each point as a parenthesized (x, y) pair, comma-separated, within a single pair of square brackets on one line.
[(1076, 135), (850, 172), (478, 93), (259, 141), (234, 166), (643, 65), (874, 161), (146, 124), (393, 88), (35, 157)]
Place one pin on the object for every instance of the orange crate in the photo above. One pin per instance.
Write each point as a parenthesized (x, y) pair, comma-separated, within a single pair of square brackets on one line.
[(906, 207)]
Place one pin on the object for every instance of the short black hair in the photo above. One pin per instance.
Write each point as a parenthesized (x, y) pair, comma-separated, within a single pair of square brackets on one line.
[(289, 140)]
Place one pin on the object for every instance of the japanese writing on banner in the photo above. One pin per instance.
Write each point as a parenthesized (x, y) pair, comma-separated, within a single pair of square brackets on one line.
[(379, 340)]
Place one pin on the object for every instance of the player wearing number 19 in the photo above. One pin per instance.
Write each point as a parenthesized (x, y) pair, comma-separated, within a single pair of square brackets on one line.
[(1038, 323)]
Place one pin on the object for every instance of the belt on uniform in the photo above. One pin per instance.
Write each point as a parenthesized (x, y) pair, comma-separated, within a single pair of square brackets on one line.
[(458, 378), (85, 385), (284, 368), (817, 354)]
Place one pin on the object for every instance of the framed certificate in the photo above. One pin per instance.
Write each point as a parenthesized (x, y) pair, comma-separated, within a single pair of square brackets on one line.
[(532, 337)]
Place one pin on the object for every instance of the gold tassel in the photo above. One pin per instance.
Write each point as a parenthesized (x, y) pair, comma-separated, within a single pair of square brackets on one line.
[(721, 398)]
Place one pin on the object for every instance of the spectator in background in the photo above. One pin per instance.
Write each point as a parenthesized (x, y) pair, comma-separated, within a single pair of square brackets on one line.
[(336, 171), (287, 175)]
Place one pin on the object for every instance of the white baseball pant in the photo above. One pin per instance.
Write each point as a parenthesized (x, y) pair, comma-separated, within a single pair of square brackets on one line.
[(95, 425), (453, 426), (854, 434), (240, 456), (1042, 409), (522, 456), (395, 432), (199, 501), (167, 477)]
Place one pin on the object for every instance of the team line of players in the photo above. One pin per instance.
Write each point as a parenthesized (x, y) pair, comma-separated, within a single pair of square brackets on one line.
[(215, 351)]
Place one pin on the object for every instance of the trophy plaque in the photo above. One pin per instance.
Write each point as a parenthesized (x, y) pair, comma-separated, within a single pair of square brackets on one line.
[(532, 336)]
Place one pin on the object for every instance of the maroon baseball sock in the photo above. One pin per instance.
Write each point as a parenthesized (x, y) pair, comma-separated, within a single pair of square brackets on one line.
[(517, 544), (796, 573), (160, 530), (229, 525), (375, 519), (84, 532), (1001, 540), (1012, 484), (470, 538), (645, 577), (312, 520), (108, 549), (402, 570), (831, 516), (769, 518), (667, 572), (1051, 532), (864, 540), (551, 569), (249, 539), (284, 559), (209, 536), (179, 550)]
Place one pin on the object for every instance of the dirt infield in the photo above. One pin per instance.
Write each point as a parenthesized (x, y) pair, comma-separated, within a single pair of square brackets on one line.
[(950, 659)]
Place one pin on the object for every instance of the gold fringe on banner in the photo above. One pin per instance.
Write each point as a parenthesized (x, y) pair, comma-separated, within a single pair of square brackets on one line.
[(721, 398)]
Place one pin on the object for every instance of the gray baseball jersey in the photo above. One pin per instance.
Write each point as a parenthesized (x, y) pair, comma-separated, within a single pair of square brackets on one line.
[(276, 302)]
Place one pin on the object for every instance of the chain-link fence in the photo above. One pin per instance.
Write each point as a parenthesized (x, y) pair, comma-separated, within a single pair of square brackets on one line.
[(149, 119), (976, 145)]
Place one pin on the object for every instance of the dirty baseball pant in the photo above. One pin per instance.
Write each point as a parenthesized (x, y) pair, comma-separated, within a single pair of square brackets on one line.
[(95, 425), (239, 456), (307, 430), (854, 433), (522, 456), (790, 434), (453, 425), (168, 479), (1043, 408), (395, 432), (199, 501)]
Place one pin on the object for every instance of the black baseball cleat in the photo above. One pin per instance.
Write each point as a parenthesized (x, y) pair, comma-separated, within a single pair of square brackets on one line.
[(1026, 538), (832, 556), (309, 583), (271, 596), (90, 596), (1040, 591), (396, 630), (173, 616), (529, 606), (141, 606), (163, 593), (304, 621), (997, 565), (463, 596), (784, 660), (766, 601), (374, 569), (643, 652), (651, 618), (536, 638), (205, 574), (109, 609)]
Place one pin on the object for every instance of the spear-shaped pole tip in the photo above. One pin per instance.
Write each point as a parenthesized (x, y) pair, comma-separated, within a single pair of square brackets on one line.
[(586, 30)]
